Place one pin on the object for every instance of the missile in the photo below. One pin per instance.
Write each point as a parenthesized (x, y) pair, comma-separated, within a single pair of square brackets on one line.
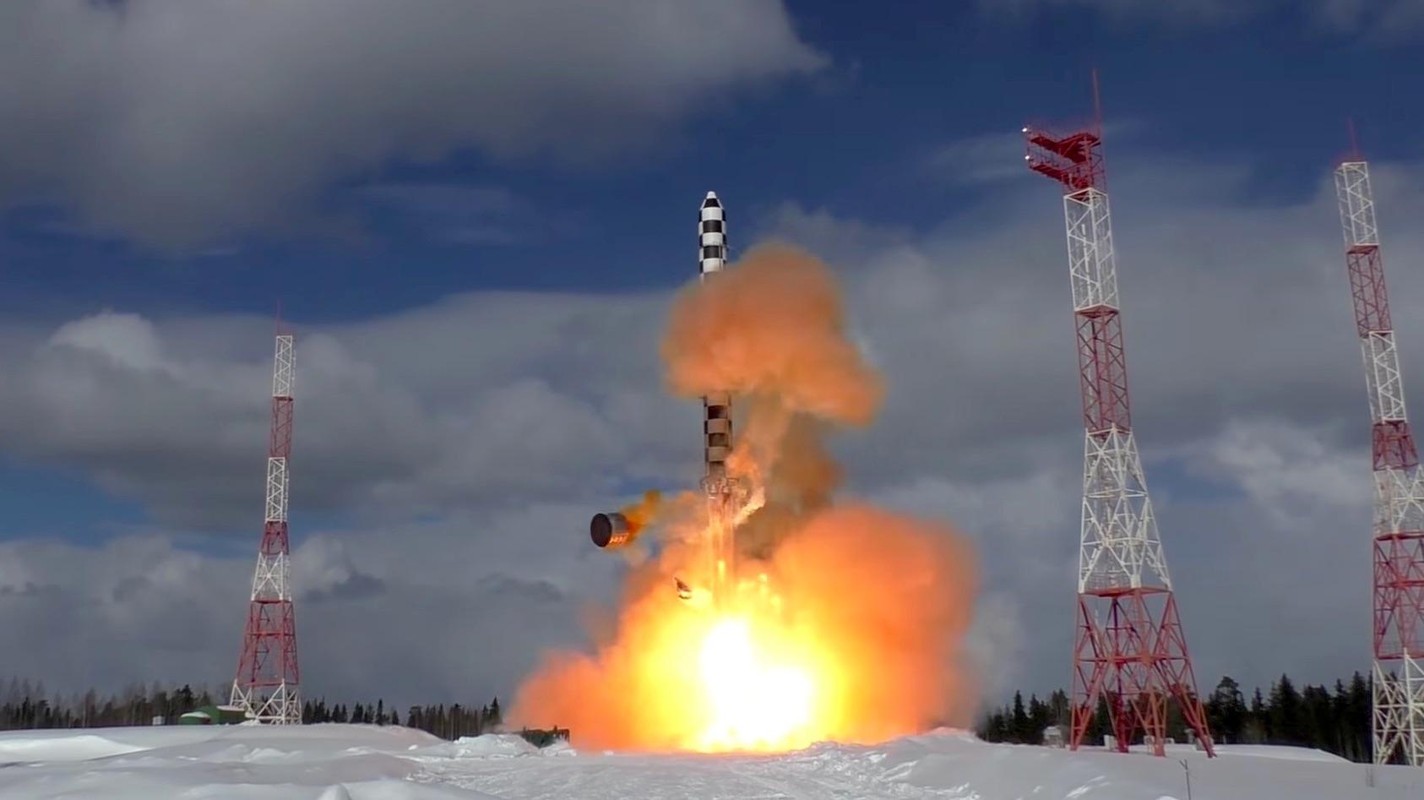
[(712, 235), (717, 407), (615, 529)]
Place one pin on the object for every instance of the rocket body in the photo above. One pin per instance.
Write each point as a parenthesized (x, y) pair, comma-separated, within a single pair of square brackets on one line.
[(717, 416), (712, 235), (726, 507), (717, 407)]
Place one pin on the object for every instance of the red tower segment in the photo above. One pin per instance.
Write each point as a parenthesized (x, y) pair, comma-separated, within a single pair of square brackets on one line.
[(1129, 650), (268, 681)]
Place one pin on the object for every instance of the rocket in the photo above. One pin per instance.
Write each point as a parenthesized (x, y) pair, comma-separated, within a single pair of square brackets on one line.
[(712, 235), (717, 408), (613, 530), (716, 418)]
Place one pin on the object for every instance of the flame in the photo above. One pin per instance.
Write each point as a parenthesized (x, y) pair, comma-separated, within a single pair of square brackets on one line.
[(833, 621), (639, 514), (756, 696)]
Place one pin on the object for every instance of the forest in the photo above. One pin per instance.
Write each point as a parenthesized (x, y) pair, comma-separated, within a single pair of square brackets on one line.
[(24, 705), (1335, 720)]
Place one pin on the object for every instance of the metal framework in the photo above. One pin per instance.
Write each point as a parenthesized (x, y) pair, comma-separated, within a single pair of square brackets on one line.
[(1129, 648), (267, 682), (1398, 685)]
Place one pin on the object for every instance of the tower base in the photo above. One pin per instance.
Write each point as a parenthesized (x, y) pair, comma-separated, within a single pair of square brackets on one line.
[(1399, 712), (273, 705), (1134, 659), (1399, 648), (267, 682)]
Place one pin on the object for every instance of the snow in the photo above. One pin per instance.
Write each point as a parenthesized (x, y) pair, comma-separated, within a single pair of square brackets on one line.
[(361, 762)]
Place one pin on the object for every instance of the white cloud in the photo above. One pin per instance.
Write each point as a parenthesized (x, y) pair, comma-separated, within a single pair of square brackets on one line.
[(1287, 469), (177, 123)]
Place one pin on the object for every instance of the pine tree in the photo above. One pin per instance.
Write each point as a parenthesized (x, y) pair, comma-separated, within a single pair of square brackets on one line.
[(1287, 721), (1226, 711), (1019, 724)]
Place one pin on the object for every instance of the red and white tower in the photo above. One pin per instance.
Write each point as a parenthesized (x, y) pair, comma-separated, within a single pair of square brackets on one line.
[(267, 681), (1399, 494), (1130, 649)]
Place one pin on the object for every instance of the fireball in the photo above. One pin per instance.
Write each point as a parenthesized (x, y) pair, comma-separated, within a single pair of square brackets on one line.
[(791, 617), (759, 687)]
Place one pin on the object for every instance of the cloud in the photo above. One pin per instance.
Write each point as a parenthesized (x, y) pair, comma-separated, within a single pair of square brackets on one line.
[(464, 444), (1380, 21), (987, 158), (413, 614), (114, 110), (544, 394)]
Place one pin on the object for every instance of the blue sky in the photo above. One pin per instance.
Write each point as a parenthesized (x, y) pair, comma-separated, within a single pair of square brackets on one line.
[(498, 258), (857, 139)]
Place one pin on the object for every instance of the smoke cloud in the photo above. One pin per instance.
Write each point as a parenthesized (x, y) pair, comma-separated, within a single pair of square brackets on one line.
[(854, 613)]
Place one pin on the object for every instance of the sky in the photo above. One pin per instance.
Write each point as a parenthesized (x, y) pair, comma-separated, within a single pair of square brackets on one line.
[(474, 216)]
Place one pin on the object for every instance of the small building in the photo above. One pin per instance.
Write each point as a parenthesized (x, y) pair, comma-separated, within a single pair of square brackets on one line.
[(543, 737), (1055, 736), (214, 715)]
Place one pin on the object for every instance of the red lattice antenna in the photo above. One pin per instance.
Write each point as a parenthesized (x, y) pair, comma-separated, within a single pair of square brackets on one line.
[(268, 681), (1130, 650), (1398, 630)]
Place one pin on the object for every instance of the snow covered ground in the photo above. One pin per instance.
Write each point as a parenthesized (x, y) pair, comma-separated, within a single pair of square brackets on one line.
[(359, 762)]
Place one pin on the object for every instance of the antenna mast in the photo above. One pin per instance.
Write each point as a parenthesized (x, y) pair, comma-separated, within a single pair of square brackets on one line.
[(1398, 718), (267, 681), (1129, 648)]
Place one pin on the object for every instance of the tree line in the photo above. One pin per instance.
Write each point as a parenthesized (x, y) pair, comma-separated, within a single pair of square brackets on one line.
[(26, 705), (1334, 720)]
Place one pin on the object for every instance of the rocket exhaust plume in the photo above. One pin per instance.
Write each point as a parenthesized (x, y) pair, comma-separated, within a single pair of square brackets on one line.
[(842, 621)]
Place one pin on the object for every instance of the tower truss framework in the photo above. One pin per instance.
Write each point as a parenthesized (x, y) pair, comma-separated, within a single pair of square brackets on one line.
[(1130, 651), (1398, 528), (268, 681)]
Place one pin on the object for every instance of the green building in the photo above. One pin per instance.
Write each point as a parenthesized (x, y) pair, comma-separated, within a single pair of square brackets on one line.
[(214, 715)]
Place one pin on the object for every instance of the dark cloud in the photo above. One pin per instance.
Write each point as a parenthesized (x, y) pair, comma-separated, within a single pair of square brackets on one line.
[(359, 585), (179, 123)]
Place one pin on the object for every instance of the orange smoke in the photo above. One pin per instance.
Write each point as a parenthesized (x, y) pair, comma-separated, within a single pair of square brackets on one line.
[(842, 622), (773, 325)]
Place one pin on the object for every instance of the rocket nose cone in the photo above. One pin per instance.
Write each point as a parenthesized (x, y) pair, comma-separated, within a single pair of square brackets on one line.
[(711, 201)]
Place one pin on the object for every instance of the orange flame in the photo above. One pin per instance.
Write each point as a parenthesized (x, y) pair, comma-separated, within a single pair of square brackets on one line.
[(842, 622)]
